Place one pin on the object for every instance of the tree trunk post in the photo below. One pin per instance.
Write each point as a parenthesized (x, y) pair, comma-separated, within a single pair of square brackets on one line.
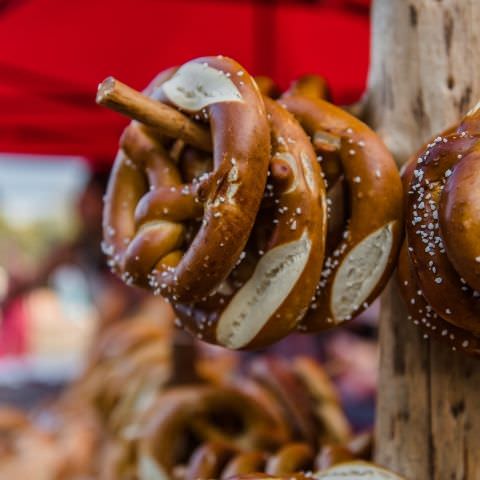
[(425, 73)]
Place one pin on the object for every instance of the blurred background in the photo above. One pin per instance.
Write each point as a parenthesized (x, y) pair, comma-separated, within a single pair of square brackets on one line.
[(57, 145)]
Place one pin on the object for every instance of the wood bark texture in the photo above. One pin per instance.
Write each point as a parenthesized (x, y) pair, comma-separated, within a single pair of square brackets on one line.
[(425, 73)]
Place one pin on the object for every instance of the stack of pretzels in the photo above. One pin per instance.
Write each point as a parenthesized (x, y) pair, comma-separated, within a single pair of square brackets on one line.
[(253, 216), (439, 266), (270, 418), (275, 417)]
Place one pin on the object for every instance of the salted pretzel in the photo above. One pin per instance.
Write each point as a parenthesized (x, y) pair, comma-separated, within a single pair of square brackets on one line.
[(307, 399), (268, 292), (359, 266), (424, 316), (189, 416), (438, 268), (245, 463), (161, 251), (264, 476)]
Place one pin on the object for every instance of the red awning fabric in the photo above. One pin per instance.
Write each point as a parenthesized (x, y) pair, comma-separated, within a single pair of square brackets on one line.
[(55, 52)]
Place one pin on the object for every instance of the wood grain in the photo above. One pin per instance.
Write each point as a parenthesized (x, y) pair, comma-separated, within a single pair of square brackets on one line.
[(425, 73)]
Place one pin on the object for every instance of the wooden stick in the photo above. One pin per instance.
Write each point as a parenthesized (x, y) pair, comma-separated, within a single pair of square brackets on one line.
[(156, 115)]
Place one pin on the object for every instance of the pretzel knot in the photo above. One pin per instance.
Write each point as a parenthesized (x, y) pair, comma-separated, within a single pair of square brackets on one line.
[(179, 238), (266, 295), (241, 257), (439, 267)]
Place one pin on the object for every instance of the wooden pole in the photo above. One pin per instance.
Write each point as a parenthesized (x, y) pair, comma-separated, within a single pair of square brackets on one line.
[(425, 72)]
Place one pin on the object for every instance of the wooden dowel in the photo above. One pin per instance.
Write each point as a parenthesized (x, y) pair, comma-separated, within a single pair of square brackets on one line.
[(156, 115)]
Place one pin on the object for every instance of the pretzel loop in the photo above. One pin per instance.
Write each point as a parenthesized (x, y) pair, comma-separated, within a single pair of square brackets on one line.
[(152, 211), (439, 271), (267, 294), (359, 266)]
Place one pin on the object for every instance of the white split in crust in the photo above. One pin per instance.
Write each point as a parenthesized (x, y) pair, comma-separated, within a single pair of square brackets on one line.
[(360, 272), (275, 276), (195, 86), (149, 469), (356, 471), (308, 171)]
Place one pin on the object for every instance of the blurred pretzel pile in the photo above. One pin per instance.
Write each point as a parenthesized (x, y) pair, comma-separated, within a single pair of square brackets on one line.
[(134, 415), (255, 214)]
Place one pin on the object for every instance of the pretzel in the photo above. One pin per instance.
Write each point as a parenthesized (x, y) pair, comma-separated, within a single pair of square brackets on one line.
[(258, 476), (294, 457), (331, 424), (356, 470), (150, 253), (315, 87), (267, 86), (245, 463), (311, 86), (130, 361), (306, 396), (423, 315), (357, 448), (208, 461), (216, 460), (265, 297), (359, 267), (276, 376), (441, 224), (187, 414)]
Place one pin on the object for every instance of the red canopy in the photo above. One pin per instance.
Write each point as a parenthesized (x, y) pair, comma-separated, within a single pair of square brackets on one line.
[(54, 53)]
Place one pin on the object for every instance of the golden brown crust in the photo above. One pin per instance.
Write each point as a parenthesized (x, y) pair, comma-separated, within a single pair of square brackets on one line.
[(312, 86), (425, 317), (152, 254), (332, 425), (375, 196), (292, 219), (208, 461), (433, 191), (460, 217), (244, 464), (292, 458), (189, 412), (267, 86)]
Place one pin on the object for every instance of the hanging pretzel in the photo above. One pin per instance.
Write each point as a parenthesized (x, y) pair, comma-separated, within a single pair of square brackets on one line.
[(265, 297), (438, 269), (160, 251), (358, 268)]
